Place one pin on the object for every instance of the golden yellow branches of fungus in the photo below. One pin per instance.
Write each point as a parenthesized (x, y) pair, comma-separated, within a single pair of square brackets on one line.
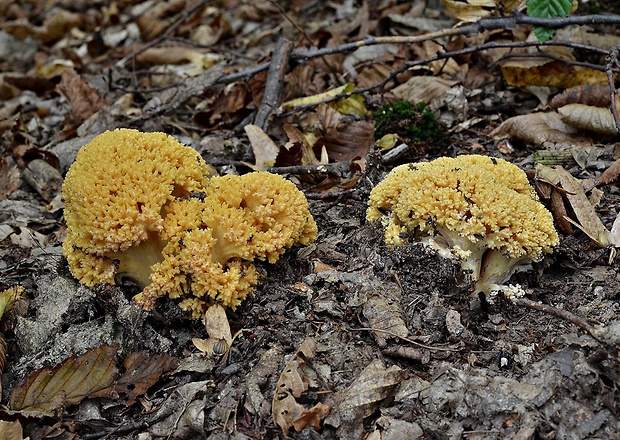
[(143, 206), (479, 210)]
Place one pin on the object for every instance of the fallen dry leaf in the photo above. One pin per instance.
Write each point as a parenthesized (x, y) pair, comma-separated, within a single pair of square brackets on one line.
[(75, 379), (587, 117), (292, 383), (596, 95), (265, 150), (589, 222), (540, 128), (312, 417), (10, 430), (220, 337), (348, 141), (85, 101), (142, 371), (610, 175)]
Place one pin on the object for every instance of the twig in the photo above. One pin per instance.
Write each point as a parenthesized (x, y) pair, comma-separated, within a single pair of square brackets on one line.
[(274, 83), (303, 55), (612, 60), (554, 311), (411, 341), (445, 55)]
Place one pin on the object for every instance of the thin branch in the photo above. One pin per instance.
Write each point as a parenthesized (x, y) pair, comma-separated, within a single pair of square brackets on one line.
[(612, 60), (554, 311), (485, 24)]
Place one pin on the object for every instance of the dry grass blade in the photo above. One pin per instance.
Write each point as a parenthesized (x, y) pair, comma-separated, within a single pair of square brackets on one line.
[(77, 378), (589, 222)]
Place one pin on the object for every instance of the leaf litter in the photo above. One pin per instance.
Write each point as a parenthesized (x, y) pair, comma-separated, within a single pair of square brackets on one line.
[(399, 349)]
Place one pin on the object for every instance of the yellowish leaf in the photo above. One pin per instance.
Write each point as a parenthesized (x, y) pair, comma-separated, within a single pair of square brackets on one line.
[(318, 98), (77, 378)]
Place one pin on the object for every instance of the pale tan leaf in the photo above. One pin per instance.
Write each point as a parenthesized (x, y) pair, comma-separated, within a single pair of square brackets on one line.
[(373, 384), (77, 378), (589, 222), (540, 128), (423, 89), (293, 382), (265, 150), (217, 324), (470, 10), (614, 235), (10, 430), (586, 117), (297, 137)]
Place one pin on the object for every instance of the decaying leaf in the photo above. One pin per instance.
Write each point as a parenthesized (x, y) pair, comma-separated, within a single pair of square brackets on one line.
[(312, 417), (265, 150), (142, 371), (292, 384), (589, 222), (588, 94), (85, 101), (10, 430), (587, 117), (348, 141), (424, 89), (363, 396), (540, 128), (610, 175), (470, 10), (77, 378), (218, 327), (307, 153)]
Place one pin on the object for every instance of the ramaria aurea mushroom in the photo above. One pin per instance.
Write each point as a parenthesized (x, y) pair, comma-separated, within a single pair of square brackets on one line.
[(142, 206), (475, 209)]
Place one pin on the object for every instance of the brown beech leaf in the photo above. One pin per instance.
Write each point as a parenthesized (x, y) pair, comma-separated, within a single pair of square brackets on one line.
[(75, 379), (540, 128), (587, 94), (293, 382), (347, 141), (10, 430), (610, 175), (142, 371), (85, 101), (312, 417), (373, 384), (587, 117), (589, 222), (9, 179)]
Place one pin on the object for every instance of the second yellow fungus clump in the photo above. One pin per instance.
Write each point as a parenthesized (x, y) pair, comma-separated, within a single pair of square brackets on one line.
[(479, 210), (142, 206)]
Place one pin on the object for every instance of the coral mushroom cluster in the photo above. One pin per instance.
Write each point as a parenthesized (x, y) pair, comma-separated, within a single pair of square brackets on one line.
[(478, 210), (144, 207)]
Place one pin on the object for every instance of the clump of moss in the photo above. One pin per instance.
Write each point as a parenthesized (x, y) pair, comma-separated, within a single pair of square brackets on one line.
[(414, 124)]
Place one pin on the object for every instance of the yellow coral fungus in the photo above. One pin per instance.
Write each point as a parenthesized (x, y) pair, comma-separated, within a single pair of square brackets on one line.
[(142, 206), (212, 241), (479, 210)]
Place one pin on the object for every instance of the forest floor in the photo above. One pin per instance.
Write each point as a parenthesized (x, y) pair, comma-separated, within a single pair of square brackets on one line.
[(374, 342)]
